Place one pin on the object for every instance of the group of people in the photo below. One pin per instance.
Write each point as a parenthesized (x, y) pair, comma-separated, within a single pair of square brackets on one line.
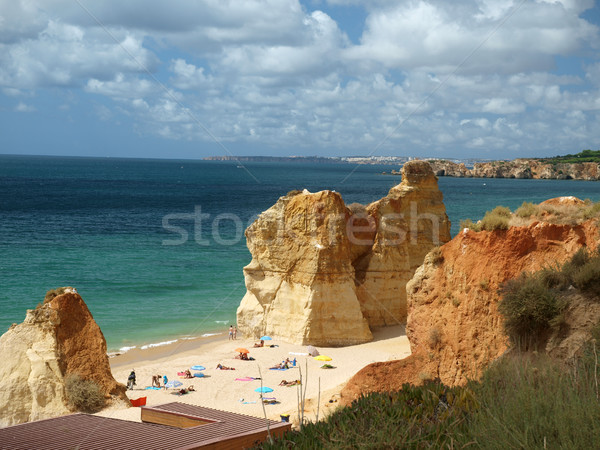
[(156, 381), (285, 364), (232, 332)]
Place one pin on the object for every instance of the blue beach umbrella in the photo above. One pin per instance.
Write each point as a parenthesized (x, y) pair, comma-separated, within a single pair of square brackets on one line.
[(198, 367), (265, 338), (173, 384), (263, 389)]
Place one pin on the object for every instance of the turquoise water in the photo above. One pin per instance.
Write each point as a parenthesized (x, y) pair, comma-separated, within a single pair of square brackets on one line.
[(97, 224)]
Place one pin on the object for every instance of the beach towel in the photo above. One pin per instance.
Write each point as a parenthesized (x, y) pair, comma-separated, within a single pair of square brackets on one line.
[(245, 379), (152, 388), (199, 375), (274, 368)]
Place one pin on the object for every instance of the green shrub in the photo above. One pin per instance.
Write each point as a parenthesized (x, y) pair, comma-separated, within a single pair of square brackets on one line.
[(587, 276), (84, 395), (592, 211), (496, 219), (468, 223), (54, 293), (530, 309), (527, 210)]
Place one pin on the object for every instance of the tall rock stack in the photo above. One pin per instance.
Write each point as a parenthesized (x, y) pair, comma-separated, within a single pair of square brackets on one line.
[(322, 273), (409, 222), (57, 339)]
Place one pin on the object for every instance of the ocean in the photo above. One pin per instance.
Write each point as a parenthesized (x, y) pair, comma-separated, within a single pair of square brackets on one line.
[(156, 247)]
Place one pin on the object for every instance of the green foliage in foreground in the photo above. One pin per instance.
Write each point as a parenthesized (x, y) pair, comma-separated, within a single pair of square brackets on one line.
[(522, 401)]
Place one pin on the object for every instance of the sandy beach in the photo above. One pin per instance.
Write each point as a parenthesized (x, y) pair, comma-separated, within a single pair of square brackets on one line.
[(220, 389)]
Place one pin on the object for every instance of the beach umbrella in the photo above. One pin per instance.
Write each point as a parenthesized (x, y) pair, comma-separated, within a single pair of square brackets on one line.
[(173, 384), (198, 367), (265, 338), (322, 358), (263, 389), (242, 350), (312, 351)]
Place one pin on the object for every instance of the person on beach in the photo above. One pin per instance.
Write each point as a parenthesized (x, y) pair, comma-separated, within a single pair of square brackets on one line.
[(230, 332), (234, 333), (188, 374), (156, 381), (261, 344), (131, 380), (222, 367), (165, 381)]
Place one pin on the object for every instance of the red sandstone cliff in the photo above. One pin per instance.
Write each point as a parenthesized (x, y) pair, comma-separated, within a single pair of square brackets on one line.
[(57, 339), (453, 324)]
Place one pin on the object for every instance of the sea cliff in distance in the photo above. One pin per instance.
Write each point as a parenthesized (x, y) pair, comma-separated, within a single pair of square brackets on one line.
[(581, 166)]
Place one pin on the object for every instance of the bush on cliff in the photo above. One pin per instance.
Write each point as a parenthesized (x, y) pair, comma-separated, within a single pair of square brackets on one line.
[(531, 309), (496, 219), (84, 395), (526, 210), (54, 293)]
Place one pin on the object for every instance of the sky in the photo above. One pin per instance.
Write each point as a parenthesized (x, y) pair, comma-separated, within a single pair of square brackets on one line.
[(490, 79)]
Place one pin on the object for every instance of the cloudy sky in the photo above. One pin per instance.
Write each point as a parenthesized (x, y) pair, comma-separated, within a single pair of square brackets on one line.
[(188, 79)]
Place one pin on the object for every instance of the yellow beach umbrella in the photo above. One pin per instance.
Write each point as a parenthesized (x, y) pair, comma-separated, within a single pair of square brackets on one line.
[(322, 358)]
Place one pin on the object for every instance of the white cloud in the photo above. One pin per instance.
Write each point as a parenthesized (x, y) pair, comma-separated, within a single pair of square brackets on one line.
[(22, 107), (284, 74)]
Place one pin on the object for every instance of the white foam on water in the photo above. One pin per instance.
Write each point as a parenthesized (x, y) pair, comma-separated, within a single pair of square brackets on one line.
[(158, 344)]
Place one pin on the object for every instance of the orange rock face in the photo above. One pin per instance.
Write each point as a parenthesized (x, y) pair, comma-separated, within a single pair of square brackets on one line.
[(57, 339), (453, 325), (81, 344)]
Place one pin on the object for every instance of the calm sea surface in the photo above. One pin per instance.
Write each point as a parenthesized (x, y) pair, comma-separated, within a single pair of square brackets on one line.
[(156, 247)]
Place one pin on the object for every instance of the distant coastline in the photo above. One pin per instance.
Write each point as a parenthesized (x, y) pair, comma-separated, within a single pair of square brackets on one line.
[(581, 166)]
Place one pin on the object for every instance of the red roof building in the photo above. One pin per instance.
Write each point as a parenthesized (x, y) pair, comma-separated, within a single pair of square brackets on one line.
[(169, 426)]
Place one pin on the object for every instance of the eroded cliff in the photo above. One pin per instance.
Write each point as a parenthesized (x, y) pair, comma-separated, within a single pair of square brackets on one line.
[(57, 339), (323, 273), (453, 325)]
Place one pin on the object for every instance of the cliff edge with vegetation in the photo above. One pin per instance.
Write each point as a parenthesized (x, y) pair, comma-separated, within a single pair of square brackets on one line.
[(454, 326), (581, 166)]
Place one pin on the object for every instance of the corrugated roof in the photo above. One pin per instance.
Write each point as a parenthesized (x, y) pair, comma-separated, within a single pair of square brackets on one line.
[(84, 431)]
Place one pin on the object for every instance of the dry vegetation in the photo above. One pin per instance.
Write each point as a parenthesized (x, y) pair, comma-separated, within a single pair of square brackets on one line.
[(501, 218)]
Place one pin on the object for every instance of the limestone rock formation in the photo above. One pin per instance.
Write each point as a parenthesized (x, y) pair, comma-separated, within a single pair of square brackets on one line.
[(323, 273), (519, 168), (57, 339), (453, 325)]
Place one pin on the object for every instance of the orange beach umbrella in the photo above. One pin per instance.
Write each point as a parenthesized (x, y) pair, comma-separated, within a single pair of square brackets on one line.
[(242, 350)]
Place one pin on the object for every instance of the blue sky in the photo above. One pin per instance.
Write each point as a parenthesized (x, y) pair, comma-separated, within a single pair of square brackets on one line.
[(180, 79)]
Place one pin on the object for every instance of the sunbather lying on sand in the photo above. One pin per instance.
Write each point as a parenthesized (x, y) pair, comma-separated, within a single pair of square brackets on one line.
[(186, 390), (261, 344), (289, 383), (222, 367)]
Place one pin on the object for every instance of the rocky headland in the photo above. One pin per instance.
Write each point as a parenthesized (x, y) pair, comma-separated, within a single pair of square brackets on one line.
[(454, 326), (519, 168), (324, 273), (57, 339)]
